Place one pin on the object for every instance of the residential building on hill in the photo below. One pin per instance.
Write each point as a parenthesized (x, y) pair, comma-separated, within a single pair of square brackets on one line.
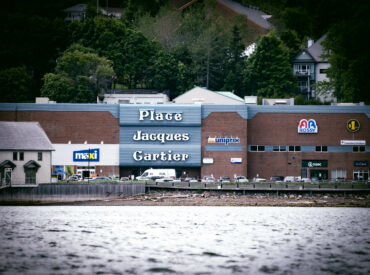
[(310, 67)]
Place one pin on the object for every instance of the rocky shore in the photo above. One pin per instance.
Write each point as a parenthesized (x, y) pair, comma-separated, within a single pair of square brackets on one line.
[(189, 198)]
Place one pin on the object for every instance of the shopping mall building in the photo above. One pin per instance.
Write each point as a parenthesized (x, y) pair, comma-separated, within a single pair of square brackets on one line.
[(326, 142)]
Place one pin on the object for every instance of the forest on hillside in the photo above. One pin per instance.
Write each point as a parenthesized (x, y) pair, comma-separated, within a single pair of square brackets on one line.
[(155, 45)]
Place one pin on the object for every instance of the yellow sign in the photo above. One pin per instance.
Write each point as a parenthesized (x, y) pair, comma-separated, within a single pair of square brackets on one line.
[(353, 125)]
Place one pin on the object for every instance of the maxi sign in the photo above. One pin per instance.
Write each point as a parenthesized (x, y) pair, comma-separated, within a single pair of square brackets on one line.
[(160, 136), (92, 155)]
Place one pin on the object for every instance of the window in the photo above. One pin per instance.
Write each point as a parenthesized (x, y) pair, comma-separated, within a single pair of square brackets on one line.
[(15, 155), (323, 71), (294, 148), (39, 156), (257, 148), (30, 176), (339, 174), (360, 175), (321, 148), (21, 156), (279, 148), (358, 148)]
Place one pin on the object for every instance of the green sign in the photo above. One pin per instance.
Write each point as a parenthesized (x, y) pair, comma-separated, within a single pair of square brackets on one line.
[(314, 163)]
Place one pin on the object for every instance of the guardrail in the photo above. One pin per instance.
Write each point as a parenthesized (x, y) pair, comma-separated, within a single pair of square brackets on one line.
[(262, 186)]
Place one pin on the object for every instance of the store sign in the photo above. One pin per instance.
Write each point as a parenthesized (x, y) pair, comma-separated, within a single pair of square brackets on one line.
[(353, 142), (360, 163), (87, 155), (307, 126), (161, 156), (236, 160), (207, 160), (223, 140), (159, 116), (353, 125), (314, 163), (58, 170)]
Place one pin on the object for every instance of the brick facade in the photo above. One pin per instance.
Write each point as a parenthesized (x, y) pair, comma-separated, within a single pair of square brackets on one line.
[(76, 127), (221, 125)]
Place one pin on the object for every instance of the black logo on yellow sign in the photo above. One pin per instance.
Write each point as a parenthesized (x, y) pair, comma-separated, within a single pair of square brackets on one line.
[(353, 125)]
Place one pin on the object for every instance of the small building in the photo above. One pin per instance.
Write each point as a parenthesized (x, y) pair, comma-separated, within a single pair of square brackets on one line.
[(25, 154), (199, 95), (310, 67), (134, 96), (251, 100), (112, 12), (278, 101), (76, 12)]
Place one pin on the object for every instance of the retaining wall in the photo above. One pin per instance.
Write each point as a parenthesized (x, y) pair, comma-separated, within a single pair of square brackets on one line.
[(70, 192)]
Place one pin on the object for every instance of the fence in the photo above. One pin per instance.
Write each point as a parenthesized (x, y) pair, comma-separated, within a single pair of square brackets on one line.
[(70, 192)]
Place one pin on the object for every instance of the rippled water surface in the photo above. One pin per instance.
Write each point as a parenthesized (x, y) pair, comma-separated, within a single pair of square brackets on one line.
[(184, 240)]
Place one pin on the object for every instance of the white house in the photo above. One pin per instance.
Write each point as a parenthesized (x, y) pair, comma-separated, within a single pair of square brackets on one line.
[(310, 66), (25, 154)]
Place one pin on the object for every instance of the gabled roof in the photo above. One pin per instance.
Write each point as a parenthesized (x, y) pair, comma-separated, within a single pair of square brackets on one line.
[(316, 50), (23, 136), (32, 165), (76, 8), (7, 164), (313, 52), (204, 96), (231, 95)]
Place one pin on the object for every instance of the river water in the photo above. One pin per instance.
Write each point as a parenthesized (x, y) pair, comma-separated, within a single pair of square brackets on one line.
[(184, 240)]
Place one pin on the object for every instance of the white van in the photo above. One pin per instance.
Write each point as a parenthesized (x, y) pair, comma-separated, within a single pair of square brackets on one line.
[(151, 174)]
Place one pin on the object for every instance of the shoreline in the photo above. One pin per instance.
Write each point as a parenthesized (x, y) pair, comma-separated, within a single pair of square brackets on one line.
[(194, 198)]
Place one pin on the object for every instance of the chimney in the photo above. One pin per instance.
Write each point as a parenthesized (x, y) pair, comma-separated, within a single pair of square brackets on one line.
[(309, 42)]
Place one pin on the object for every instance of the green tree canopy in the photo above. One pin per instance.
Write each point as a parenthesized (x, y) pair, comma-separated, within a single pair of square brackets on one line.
[(268, 71), (80, 75)]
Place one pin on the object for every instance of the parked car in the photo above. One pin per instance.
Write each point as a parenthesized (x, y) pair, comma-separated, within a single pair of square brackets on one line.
[(124, 179), (259, 180), (74, 178), (190, 179), (224, 179), (208, 179), (277, 179), (305, 180), (167, 179), (290, 179), (241, 179), (101, 179)]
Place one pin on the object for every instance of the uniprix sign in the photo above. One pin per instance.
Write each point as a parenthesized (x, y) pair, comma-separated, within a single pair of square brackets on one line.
[(307, 126), (87, 155), (224, 140)]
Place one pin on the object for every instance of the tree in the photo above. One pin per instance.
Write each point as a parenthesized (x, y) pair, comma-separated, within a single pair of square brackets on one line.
[(268, 71), (80, 75), (15, 85)]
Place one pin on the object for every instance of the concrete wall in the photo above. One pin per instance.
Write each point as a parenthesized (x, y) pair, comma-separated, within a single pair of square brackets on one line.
[(70, 192)]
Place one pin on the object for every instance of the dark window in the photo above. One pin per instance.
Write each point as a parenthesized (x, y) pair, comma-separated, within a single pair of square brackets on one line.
[(21, 156), (321, 148), (39, 156), (254, 148), (323, 71), (291, 148), (282, 148), (358, 148), (297, 148), (261, 148), (30, 176), (15, 155), (275, 148)]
